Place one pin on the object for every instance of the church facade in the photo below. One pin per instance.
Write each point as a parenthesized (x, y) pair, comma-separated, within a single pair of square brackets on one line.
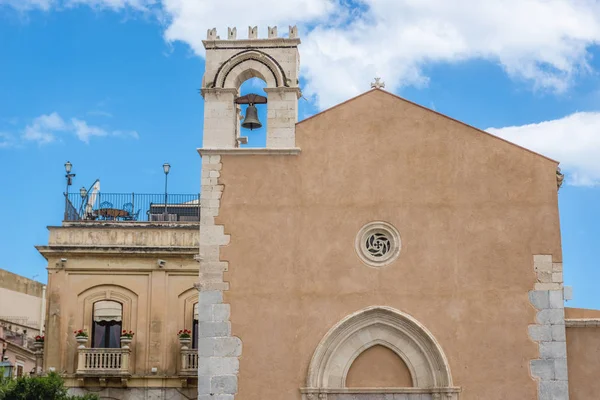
[(378, 250)]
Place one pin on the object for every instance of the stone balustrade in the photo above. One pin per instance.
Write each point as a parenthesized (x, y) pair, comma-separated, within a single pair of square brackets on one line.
[(189, 362), (103, 362)]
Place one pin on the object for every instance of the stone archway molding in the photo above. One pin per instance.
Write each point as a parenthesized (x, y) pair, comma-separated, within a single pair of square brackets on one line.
[(379, 325), (249, 64)]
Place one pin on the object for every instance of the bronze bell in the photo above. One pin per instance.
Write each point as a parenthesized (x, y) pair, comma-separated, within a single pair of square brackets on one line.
[(251, 121)]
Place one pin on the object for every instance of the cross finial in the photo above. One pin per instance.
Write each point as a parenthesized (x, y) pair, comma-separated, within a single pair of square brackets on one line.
[(377, 84)]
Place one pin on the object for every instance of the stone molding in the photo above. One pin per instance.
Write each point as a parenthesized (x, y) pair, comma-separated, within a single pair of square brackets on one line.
[(550, 369), (582, 323), (218, 350), (246, 151), (254, 43), (379, 325)]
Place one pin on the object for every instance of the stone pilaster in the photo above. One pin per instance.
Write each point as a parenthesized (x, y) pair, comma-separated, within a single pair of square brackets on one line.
[(550, 369), (218, 350)]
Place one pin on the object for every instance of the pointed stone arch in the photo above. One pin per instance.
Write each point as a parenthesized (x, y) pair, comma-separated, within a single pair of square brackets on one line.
[(249, 64), (384, 326)]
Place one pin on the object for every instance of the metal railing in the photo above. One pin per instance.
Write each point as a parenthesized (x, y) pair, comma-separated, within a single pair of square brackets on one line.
[(103, 361), (132, 207), (189, 361)]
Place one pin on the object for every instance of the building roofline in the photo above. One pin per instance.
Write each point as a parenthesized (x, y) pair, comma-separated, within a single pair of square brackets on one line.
[(430, 110)]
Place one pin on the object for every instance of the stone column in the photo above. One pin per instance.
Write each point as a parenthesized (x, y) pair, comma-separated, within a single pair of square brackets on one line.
[(282, 116), (220, 118)]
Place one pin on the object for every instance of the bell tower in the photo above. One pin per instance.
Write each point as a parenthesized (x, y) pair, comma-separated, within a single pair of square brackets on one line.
[(229, 63)]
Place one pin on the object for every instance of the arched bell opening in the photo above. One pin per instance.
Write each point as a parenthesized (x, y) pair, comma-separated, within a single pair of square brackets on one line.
[(256, 137)]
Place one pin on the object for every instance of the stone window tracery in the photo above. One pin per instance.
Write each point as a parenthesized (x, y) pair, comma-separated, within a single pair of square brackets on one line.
[(378, 244)]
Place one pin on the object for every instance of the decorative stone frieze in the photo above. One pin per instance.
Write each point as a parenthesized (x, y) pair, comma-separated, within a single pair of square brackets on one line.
[(550, 369), (218, 350)]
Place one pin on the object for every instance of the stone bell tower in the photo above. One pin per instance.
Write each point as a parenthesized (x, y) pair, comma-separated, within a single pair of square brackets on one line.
[(229, 63)]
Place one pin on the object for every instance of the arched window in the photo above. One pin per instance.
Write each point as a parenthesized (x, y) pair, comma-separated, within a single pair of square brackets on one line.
[(195, 328), (107, 317)]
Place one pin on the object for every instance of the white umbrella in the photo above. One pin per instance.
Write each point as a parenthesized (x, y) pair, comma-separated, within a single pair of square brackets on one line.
[(93, 193)]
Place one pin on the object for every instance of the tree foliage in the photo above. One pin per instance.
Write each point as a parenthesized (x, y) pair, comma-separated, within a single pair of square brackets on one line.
[(50, 387)]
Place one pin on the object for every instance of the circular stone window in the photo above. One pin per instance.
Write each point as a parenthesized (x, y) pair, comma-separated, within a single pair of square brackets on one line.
[(378, 244)]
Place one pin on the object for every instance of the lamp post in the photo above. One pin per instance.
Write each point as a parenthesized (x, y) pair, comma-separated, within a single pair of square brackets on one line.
[(166, 169), (69, 176)]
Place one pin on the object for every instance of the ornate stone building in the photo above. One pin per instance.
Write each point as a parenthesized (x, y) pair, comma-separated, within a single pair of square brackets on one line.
[(377, 250)]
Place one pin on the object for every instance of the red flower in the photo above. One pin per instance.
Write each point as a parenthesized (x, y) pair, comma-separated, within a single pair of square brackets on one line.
[(124, 331)]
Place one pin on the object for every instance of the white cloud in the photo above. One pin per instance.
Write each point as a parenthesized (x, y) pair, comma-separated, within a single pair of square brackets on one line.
[(85, 131), (6, 140), (573, 140), (348, 42), (45, 129), (395, 39), (26, 5)]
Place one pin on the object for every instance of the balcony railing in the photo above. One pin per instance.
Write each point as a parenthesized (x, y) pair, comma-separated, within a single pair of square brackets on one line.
[(100, 206), (189, 362), (103, 362)]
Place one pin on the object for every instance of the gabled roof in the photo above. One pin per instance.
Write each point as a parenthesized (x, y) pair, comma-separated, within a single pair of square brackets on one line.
[(370, 92)]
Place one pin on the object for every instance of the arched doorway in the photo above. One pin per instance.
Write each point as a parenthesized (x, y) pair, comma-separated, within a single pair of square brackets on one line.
[(420, 358)]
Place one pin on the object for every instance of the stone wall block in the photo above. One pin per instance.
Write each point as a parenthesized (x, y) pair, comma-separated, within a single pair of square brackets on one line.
[(543, 369), (547, 286), (551, 316), (559, 333), (213, 329), (221, 312), (224, 384), (557, 277), (213, 366), (540, 333), (560, 369), (553, 350), (203, 383), (553, 390), (556, 299), (210, 297), (539, 299), (557, 267), (227, 347), (214, 286), (213, 266)]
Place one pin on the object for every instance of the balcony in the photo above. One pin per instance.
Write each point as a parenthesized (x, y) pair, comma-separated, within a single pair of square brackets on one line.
[(103, 362), (132, 207), (189, 362)]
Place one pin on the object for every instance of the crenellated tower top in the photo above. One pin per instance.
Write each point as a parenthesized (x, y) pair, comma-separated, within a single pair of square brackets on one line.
[(232, 61)]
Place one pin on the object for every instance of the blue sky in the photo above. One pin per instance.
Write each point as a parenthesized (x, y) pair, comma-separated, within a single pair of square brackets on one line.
[(111, 85)]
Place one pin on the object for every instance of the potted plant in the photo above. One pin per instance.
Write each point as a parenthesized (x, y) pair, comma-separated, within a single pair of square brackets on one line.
[(81, 337), (39, 342), (185, 337), (126, 338)]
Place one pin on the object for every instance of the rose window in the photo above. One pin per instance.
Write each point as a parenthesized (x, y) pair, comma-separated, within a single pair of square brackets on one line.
[(378, 244)]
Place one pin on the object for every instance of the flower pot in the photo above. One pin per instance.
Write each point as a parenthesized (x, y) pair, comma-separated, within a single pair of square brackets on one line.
[(38, 345), (82, 340), (185, 342), (125, 341)]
